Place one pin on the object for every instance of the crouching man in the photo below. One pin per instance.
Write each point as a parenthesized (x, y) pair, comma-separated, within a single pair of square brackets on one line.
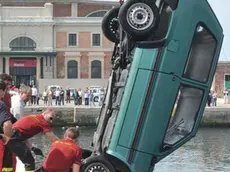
[(26, 128), (64, 154)]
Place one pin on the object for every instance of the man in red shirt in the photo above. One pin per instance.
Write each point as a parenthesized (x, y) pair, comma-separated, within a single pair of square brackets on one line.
[(9, 163), (25, 128), (68, 152)]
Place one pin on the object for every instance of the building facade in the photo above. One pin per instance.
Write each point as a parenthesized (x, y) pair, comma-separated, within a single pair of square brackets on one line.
[(61, 43), (53, 43), (221, 80)]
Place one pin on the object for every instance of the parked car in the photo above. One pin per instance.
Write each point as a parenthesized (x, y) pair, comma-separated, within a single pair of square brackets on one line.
[(96, 92), (163, 50)]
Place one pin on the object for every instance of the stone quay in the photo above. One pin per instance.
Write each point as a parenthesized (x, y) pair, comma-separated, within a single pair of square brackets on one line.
[(86, 116)]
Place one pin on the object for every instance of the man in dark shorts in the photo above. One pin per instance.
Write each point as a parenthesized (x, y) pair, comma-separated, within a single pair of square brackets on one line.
[(25, 128)]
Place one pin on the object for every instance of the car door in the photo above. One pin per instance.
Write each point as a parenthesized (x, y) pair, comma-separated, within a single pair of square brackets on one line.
[(196, 73)]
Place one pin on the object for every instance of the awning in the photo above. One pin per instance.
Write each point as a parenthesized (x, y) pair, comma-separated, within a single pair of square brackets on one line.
[(28, 53)]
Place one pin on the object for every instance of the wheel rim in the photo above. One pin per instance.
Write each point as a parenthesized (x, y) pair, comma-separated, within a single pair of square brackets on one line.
[(140, 16), (113, 25), (97, 167)]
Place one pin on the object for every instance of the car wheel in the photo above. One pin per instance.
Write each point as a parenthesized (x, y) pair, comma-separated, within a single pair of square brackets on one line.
[(97, 164), (95, 99), (110, 25), (138, 18)]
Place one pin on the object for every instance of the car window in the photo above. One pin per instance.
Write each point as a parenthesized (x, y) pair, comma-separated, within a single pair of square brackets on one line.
[(184, 114), (201, 55)]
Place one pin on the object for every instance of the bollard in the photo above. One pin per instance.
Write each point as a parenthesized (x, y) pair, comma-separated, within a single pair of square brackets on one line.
[(74, 115)]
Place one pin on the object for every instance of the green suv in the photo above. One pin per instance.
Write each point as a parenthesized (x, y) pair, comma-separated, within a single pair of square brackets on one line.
[(164, 60)]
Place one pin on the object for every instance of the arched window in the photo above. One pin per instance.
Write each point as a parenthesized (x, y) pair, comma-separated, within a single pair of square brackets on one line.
[(96, 69), (100, 13), (72, 69), (22, 44)]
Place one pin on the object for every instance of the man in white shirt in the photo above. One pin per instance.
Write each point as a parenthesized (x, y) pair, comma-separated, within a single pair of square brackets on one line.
[(80, 97), (34, 94), (86, 96), (57, 96), (19, 101), (225, 96)]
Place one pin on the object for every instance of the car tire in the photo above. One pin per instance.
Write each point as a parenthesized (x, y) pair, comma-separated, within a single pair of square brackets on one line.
[(110, 25), (95, 99), (97, 164), (138, 18)]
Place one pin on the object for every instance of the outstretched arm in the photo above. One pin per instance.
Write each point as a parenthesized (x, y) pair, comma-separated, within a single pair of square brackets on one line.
[(77, 161), (76, 168), (51, 136), (7, 128)]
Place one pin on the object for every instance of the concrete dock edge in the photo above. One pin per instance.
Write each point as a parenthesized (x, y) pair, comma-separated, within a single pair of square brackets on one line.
[(86, 116)]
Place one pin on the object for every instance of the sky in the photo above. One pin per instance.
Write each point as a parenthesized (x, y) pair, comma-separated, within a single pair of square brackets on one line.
[(222, 11)]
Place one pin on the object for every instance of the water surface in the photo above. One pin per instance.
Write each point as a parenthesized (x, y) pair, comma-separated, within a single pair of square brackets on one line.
[(209, 151)]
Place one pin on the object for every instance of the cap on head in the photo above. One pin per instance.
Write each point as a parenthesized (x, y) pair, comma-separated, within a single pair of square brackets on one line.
[(72, 133)]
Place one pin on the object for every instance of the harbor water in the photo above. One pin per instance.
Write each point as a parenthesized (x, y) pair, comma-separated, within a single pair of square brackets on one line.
[(209, 151)]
